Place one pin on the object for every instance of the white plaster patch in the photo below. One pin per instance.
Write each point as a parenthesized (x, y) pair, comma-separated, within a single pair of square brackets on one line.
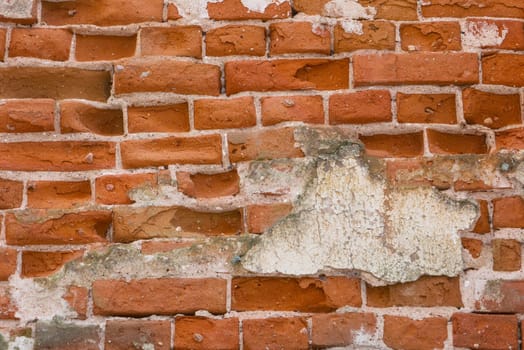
[(260, 5), (197, 9), (22, 343), (350, 9), (484, 34), (352, 27), (16, 8)]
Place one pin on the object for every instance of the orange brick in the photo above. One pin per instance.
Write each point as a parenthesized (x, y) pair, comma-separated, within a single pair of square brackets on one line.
[(503, 69), (7, 306), (426, 108), (310, 7), (331, 330), (77, 298), (488, 332), (261, 217), (409, 334), (235, 10), (48, 44), (402, 10), (172, 41), (78, 117), (8, 258), (434, 36), (503, 296), (129, 334), (208, 185), (483, 223), (465, 8), (104, 47), (473, 246), (236, 40), (40, 264), (172, 12), (506, 255), (508, 212), (278, 109), (446, 143), (115, 189), (17, 116), (275, 333), (491, 110), (371, 35), (400, 145), (512, 139), (165, 118), (371, 106), (225, 113), (11, 193), (299, 37), (206, 333), (512, 33), (58, 194), (2, 43)]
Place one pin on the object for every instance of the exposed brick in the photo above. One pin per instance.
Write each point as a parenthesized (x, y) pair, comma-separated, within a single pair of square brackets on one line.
[(512, 33), (161, 296), (275, 333), (131, 224), (172, 12), (466, 8), (506, 255), (54, 82), (11, 193), (137, 334), (409, 334), (115, 189), (329, 330), (205, 149), (155, 75), (59, 156), (17, 116), (77, 297), (154, 247), (48, 44), (491, 110), (294, 294), (266, 144), (208, 185), (416, 68), (299, 37), (172, 41), (374, 35), (104, 47), (510, 139), (402, 10), (261, 217), (278, 109), (310, 7), (206, 333), (102, 13), (471, 185), (277, 75), (473, 246), (60, 335), (8, 258), (236, 40), (164, 118), (503, 296), (503, 69), (58, 194), (508, 212), (489, 332), (39, 264), (426, 292), (78, 117), (225, 113), (2, 42), (435, 36), (72, 228), (400, 145), (371, 106), (446, 143), (426, 108), (483, 222), (7, 306), (235, 10)]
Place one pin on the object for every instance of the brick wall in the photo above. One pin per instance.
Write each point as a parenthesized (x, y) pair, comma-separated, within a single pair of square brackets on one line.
[(129, 131)]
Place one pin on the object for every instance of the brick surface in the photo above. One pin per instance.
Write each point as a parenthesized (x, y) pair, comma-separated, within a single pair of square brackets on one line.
[(464, 8), (77, 298), (275, 333), (279, 109), (104, 47), (173, 41), (58, 194), (11, 193), (206, 333), (262, 217), (39, 264), (224, 114), (80, 117), (488, 332), (128, 334), (164, 118), (400, 145), (426, 108), (236, 40), (360, 107), (506, 255), (409, 334), (298, 37), (372, 35), (503, 69), (18, 116), (436, 36), (446, 143), (508, 212), (491, 110), (8, 259), (65, 335), (330, 330), (208, 185), (235, 10), (116, 189), (48, 44)]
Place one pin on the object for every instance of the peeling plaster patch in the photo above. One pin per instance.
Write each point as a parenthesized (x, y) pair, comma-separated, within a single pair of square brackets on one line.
[(22, 343), (349, 219), (197, 9), (259, 5), (16, 8), (484, 34), (350, 9), (352, 27)]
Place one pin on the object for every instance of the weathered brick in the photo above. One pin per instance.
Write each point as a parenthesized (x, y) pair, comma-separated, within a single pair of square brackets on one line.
[(208, 185), (399, 145), (172, 12), (77, 298), (310, 7), (60, 335), (330, 330), (206, 333), (473, 246), (2, 42), (235, 10), (115, 189), (508, 212), (371, 35), (58, 194), (164, 118), (261, 217), (78, 117), (483, 222), (409, 334), (434, 36), (446, 143), (275, 333), (172, 41), (489, 332), (161, 296), (11, 193), (39, 264), (511, 34), (72, 228), (17, 116), (490, 109), (133, 334), (466, 8), (371, 106), (104, 47), (44, 43), (503, 69), (277, 75), (7, 306), (426, 292), (506, 255), (504, 296), (156, 75), (294, 294), (426, 108), (512, 139), (225, 113), (278, 109), (154, 247), (236, 40), (416, 68), (401, 10), (299, 37), (205, 149), (8, 258)]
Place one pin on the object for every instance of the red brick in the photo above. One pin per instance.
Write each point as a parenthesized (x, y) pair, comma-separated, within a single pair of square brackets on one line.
[(77, 298), (310, 7), (434, 36), (408, 334), (193, 333), (261, 217), (266, 144), (36, 115), (329, 330), (161, 296), (278, 109), (104, 47), (504, 296), (416, 68), (11, 193), (446, 143), (62, 335), (205, 149), (483, 222), (40, 264), (115, 189), (102, 13), (489, 332), (473, 246), (510, 139), (78, 117), (491, 110), (131, 224), (402, 10), (8, 259), (426, 108), (208, 185), (137, 334), (236, 40), (156, 75), (294, 294), (506, 255), (372, 35), (299, 37), (54, 82), (164, 118), (275, 333), (466, 8), (400, 145), (58, 194), (72, 228), (508, 212), (235, 10), (371, 106), (291, 74), (503, 69), (172, 41), (48, 44), (2, 42), (7, 306), (426, 292), (172, 12), (154, 247), (512, 33), (225, 113)]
